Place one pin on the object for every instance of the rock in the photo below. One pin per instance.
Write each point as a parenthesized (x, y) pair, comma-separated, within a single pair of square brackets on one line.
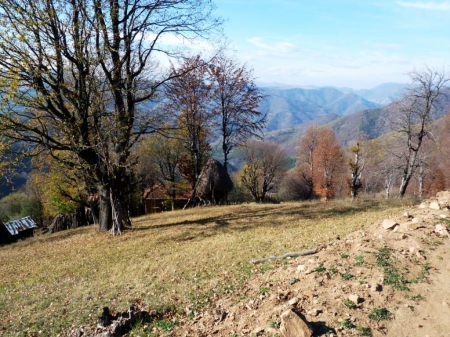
[(406, 214), (443, 216), (293, 301), (389, 224), (301, 267), (434, 205), (375, 287), (294, 325), (313, 312), (258, 331), (354, 298), (404, 227), (441, 230), (416, 220)]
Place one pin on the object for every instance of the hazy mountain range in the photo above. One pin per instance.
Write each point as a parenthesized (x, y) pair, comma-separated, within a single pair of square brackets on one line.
[(288, 107), (353, 114)]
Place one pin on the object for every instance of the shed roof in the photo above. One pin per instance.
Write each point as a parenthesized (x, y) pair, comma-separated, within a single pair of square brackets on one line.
[(19, 225)]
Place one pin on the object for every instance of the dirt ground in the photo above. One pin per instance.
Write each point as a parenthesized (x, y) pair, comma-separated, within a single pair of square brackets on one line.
[(393, 279)]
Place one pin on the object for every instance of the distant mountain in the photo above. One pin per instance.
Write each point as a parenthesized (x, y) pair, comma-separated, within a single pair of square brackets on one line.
[(289, 107), (383, 94), (364, 124)]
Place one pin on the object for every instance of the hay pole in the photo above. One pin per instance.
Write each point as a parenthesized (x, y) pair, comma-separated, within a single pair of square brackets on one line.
[(279, 257)]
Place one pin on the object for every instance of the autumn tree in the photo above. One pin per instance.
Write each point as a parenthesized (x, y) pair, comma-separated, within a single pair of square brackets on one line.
[(415, 114), (327, 161), (235, 101), (188, 99), (264, 165), (74, 76)]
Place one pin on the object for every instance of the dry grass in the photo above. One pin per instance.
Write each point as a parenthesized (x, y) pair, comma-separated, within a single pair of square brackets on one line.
[(167, 261)]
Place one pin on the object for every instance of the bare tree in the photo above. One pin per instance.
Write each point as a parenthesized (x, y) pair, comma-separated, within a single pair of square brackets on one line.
[(188, 97), (306, 152), (415, 113), (236, 101), (356, 168), (74, 76), (265, 165)]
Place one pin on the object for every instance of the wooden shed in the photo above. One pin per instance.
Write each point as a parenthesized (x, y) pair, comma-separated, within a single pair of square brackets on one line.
[(156, 200), (17, 229)]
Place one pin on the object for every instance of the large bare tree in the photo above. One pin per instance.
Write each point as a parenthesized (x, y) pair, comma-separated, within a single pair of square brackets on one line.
[(75, 74), (236, 100), (415, 115)]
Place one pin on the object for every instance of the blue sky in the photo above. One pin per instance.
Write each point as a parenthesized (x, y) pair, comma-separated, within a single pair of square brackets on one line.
[(345, 43)]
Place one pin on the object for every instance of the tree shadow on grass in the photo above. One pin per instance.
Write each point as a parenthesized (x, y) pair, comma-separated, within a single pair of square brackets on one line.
[(262, 217)]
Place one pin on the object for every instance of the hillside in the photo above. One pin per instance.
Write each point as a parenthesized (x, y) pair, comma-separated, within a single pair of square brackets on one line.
[(166, 262), (289, 107)]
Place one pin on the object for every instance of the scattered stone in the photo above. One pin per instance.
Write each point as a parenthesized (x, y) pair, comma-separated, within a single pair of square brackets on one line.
[(294, 325), (313, 312), (441, 230), (434, 205), (443, 216), (389, 224), (293, 301), (416, 220), (257, 331), (301, 267), (375, 287), (404, 227), (445, 304), (354, 298)]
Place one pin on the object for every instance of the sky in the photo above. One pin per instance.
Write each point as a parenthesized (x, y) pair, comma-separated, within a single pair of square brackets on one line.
[(345, 43)]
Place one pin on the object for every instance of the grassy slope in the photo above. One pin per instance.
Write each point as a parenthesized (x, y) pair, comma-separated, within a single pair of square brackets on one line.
[(167, 261)]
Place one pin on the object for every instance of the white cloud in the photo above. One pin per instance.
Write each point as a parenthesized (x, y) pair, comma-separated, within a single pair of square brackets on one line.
[(283, 47), (428, 5)]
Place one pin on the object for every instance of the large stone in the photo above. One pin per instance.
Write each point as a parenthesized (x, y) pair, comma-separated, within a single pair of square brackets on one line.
[(294, 325), (441, 230), (434, 205), (389, 224), (354, 298)]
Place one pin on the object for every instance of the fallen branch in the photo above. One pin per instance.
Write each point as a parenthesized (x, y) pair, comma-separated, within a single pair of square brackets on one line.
[(294, 254)]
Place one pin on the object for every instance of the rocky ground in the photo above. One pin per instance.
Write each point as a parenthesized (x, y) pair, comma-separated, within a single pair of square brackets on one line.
[(392, 279)]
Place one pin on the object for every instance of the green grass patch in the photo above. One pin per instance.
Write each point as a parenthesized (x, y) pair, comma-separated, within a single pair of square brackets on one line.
[(350, 304), (347, 276), (347, 324), (359, 260), (364, 331), (381, 314)]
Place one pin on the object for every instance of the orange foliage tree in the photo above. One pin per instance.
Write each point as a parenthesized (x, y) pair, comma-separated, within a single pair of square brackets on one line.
[(321, 159)]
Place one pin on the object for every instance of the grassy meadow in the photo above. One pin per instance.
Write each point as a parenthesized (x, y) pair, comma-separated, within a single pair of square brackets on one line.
[(166, 262)]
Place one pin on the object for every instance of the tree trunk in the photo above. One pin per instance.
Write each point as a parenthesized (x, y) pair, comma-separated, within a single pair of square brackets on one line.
[(105, 213)]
